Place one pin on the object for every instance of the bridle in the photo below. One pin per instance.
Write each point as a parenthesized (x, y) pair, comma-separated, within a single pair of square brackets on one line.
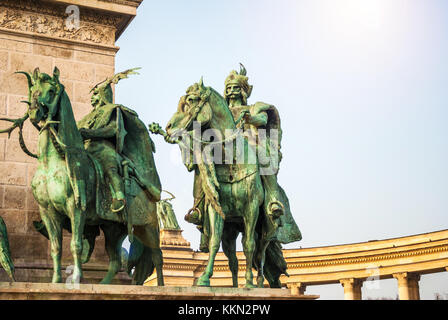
[(204, 98)]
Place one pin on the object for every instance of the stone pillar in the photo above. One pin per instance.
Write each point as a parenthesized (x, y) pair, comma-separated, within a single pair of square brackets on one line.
[(46, 34), (408, 288), (352, 288), (297, 288), (172, 238)]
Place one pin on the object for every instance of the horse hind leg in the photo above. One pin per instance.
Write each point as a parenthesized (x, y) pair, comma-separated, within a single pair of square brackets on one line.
[(216, 228), (229, 247), (262, 258), (53, 224), (114, 235), (149, 236)]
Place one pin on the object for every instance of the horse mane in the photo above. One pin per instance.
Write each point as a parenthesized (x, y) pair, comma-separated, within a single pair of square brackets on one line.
[(75, 155), (67, 129)]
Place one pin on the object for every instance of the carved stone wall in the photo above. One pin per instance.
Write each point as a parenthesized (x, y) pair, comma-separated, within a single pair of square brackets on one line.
[(49, 19), (35, 34)]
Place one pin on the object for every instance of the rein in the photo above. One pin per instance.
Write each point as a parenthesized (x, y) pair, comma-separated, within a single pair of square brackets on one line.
[(58, 144), (230, 138), (60, 147)]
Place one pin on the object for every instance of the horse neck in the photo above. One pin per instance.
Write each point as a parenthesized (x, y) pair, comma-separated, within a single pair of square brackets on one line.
[(223, 121), (47, 150)]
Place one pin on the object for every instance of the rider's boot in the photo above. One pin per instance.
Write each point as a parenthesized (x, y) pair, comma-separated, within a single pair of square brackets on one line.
[(276, 209), (194, 215), (119, 200)]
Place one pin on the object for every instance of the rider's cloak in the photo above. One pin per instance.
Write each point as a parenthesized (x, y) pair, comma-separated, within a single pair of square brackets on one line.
[(132, 141), (288, 230)]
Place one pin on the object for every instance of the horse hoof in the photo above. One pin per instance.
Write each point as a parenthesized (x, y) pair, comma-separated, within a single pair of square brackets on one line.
[(203, 282), (250, 286)]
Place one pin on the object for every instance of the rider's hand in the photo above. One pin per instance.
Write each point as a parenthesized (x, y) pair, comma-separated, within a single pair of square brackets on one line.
[(84, 133), (247, 118)]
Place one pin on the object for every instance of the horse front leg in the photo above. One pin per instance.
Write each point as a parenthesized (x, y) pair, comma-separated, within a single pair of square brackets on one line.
[(248, 240), (53, 224), (77, 218), (216, 229)]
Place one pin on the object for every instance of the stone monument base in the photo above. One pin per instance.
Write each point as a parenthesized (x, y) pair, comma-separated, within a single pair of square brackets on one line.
[(62, 291)]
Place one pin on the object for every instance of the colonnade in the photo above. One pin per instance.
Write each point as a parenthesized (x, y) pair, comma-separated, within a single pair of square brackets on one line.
[(404, 259), (407, 283)]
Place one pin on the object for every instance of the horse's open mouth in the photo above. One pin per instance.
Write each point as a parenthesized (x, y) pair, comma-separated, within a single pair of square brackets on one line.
[(38, 110)]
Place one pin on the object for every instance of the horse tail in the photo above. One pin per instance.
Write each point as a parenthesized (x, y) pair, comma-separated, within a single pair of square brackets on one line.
[(140, 259), (275, 264)]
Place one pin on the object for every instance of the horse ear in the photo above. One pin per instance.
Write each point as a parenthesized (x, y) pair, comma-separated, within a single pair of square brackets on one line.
[(36, 73), (56, 73)]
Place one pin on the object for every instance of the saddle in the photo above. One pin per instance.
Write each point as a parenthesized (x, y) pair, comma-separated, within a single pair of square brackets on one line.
[(103, 191)]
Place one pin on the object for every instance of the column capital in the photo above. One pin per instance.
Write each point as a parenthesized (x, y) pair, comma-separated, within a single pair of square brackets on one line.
[(408, 287), (351, 282), (352, 288), (406, 276), (297, 288)]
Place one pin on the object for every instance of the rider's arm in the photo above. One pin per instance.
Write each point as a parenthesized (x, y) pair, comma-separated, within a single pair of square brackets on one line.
[(190, 166), (260, 119), (108, 131)]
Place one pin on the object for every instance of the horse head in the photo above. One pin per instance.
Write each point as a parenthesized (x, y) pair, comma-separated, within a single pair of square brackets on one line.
[(44, 94), (194, 106)]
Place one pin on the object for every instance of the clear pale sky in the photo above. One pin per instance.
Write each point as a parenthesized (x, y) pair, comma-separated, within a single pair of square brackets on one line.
[(362, 91)]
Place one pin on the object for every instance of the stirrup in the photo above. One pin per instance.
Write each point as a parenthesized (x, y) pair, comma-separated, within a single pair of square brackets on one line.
[(121, 208), (193, 218), (280, 205)]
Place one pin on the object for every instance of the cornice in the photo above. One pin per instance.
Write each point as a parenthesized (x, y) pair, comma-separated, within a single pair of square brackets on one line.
[(345, 261), (132, 3), (58, 10), (372, 258), (47, 20), (175, 266)]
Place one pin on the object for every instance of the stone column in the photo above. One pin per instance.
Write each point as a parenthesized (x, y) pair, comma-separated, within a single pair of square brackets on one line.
[(79, 40), (408, 288), (352, 288), (297, 288)]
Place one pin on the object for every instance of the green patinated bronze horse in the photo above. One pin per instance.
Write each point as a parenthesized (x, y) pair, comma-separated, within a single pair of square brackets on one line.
[(69, 183), (232, 192)]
